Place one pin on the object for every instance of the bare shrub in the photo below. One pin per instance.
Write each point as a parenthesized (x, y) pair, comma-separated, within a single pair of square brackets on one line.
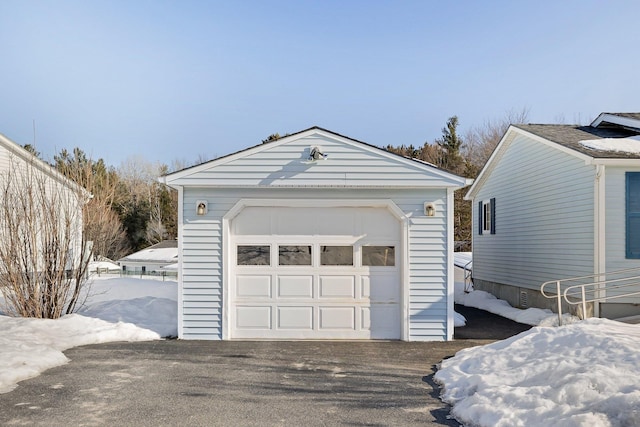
[(43, 252)]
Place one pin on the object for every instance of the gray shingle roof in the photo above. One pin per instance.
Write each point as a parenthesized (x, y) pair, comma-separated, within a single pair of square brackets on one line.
[(571, 135)]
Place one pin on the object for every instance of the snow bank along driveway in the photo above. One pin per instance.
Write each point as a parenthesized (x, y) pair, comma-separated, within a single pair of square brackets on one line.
[(583, 374)]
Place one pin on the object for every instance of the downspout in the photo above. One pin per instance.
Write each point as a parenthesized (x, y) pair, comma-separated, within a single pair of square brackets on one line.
[(450, 268), (600, 260)]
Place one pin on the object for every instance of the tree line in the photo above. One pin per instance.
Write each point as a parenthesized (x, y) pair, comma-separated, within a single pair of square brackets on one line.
[(463, 155), (131, 210), (47, 245)]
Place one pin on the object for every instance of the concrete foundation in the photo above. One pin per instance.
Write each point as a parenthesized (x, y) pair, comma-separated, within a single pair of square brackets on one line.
[(526, 298)]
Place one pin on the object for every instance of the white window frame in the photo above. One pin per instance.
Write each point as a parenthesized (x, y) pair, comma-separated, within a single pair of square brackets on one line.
[(486, 216)]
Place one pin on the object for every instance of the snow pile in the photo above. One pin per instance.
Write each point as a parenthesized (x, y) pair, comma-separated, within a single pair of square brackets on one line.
[(459, 320), (583, 374), (30, 346), (116, 309), (150, 304), (485, 301), (626, 145)]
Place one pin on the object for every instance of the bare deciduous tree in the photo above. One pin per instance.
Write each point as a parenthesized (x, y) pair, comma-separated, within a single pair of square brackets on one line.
[(152, 207), (480, 141), (43, 252), (102, 224)]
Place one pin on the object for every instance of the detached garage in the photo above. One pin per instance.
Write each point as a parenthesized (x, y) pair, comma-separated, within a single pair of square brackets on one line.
[(315, 236)]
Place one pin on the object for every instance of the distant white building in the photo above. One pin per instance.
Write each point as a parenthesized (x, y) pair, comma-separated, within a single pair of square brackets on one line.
[(152, 259)]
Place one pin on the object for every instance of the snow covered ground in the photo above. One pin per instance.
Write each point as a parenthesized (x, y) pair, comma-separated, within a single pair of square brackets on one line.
[(116, 309), (582, 374), (586, 373)]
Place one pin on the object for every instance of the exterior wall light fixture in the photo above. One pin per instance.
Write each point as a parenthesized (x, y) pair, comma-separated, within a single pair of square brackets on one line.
[(429, 209), (317, 154), (201, 207)]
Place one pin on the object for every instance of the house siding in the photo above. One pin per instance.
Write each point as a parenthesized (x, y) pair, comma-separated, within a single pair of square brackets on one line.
[(544, 217), (615, 195), (287, 165), (18, 173), (202, 249)]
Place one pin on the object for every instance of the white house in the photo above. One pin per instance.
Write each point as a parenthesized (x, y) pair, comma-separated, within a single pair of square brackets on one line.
[(558, 201), (153, 259), (21, 171), (315, 236)]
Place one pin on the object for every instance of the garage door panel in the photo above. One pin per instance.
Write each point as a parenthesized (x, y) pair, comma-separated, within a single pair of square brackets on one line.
[(384, 321), (293, 222), (379, 224), (337, 222), (295, 286), (384, 287), (252, 221), (253, 317), (253, 286), (338, 318), (302, 273), (337, 287), (295, 318)]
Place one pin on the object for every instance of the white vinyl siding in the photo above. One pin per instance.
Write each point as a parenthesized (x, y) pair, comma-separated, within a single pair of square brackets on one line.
[(202, 255), (59, 191), (287, 165), (544, 213), (615, 224), (4, 159)]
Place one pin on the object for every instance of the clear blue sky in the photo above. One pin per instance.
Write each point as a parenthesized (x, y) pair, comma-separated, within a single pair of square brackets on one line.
[(181, 79)]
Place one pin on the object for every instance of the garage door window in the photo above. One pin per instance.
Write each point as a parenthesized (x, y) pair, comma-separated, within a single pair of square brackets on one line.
[(294, 255), (379, 256), (336, 255), (254, 255)]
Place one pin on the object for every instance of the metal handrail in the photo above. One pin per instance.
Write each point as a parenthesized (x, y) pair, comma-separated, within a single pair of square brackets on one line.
[(583, 292), (467, 277), (599, 285)]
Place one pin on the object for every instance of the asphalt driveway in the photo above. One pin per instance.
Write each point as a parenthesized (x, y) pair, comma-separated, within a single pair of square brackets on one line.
[(204, 383)]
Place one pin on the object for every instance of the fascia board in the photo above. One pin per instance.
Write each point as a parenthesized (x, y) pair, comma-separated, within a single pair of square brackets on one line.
[(42, 166), (199, 184), (616, 162), (618, 120)]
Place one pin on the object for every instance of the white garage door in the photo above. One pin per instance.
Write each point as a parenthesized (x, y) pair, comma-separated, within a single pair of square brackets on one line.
[(310, 273)]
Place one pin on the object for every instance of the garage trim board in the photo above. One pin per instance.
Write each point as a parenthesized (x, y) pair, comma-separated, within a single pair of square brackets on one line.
[(360, 298)]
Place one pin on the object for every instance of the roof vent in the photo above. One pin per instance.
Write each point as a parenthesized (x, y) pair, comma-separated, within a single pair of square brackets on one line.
[(524, 299)]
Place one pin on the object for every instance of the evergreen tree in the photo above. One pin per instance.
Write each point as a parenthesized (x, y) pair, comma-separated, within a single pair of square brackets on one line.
[(450, 144)]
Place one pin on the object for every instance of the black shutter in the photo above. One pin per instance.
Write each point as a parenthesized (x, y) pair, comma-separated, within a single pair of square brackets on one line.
[(480, 222), (493, 215)]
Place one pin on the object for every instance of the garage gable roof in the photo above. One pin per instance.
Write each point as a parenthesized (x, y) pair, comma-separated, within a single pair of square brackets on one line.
[(339, 161)]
